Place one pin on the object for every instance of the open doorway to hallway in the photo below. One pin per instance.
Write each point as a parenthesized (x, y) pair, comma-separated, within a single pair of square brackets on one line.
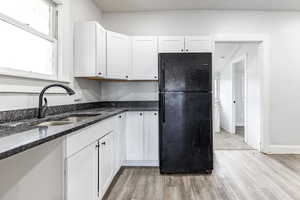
[(236, 96)]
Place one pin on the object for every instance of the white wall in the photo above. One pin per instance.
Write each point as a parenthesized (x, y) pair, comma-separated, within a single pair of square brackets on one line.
[(73, 10), (239, 85), (283, 29), (226, 98), (129, 91)]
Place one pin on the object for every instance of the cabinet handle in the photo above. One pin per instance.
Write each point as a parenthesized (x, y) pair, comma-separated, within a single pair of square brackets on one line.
[(120, 116), (126, 76), (155, 113), (99, 73), (181, 50), (141, 114), (155, 77), (187, 50), (97, 146), (103, 143)]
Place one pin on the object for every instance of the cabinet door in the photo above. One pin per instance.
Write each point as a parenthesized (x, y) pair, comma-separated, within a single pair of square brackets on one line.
[(144, 58), (171, 44), (118, 55), (101, 51), (84, 49), (82, 173), (134, 136), (151, 147), (120, 144), (198, 44), (106, 162), (89, 50)]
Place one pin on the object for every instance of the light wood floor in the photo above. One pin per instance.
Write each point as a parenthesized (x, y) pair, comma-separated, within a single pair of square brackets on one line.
[(228, 141), (238, 175)]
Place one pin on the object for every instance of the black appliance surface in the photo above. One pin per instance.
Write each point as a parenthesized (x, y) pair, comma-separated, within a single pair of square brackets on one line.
[(185, 120)]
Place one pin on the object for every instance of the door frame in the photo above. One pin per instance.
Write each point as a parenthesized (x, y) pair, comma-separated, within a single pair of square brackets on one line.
[(264, 66), (243, 59)]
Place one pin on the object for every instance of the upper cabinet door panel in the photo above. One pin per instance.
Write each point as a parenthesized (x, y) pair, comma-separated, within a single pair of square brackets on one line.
[(89, 49), (85, 49), (101, 50), (171, 44), (118, 55), (198, 44), (144, 58)]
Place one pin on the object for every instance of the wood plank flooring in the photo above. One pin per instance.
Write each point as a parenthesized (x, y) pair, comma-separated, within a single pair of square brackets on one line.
[(238, 175), (228, 141)]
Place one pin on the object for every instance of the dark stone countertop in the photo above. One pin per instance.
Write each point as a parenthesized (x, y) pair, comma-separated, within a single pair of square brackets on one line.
[(16, 137)]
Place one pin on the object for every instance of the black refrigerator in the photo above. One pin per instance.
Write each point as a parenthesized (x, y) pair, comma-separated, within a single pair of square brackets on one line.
[(185, 113)]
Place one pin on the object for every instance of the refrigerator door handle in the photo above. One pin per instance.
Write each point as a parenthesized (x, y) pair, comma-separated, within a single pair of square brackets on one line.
[(163, 109), (163, 77)]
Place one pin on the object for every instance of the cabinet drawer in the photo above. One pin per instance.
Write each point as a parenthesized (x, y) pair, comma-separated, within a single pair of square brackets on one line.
[(80, 139)]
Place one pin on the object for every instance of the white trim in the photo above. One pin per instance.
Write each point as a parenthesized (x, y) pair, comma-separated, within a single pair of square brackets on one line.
[(264, 46), (283, 149), (141, 163), (25, 27), (28, 89)]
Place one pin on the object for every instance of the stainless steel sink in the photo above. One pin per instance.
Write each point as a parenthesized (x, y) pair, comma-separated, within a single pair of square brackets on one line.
[(68, 120), (54, 123)]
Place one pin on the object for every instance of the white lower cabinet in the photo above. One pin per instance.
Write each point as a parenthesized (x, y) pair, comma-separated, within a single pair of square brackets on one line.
[(90, 161), (95, 154), (120, 143), (82, 172), (151, 140), (106, 162), (134, 136), (142, 139)]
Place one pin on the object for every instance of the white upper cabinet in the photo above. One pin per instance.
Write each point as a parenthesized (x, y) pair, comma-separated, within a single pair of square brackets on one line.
[(89, 50), (188, 44), (118, 56), (198, 44), (144, 58), (171, 44)]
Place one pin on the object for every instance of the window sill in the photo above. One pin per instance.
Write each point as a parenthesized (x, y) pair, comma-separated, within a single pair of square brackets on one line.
[(32, 76), (30, 89)]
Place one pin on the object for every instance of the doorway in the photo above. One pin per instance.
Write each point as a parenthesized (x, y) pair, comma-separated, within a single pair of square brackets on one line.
[(237, 96)]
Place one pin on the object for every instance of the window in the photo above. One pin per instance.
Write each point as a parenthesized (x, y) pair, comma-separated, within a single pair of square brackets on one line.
[(28, 38)]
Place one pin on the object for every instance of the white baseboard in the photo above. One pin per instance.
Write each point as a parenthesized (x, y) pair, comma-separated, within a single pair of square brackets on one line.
[(283, 149), (141, 163)]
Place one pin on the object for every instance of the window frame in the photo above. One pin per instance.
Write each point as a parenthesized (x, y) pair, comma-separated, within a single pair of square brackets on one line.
[(54, 37)]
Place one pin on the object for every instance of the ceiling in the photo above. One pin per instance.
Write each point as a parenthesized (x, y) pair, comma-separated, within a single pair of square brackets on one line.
[(157, 5)]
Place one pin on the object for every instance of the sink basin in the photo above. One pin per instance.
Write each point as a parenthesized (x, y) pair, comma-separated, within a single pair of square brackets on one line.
[(68, 120), (54, 123)]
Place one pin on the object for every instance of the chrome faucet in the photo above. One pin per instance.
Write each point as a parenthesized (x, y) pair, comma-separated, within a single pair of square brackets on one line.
[(43, 108)]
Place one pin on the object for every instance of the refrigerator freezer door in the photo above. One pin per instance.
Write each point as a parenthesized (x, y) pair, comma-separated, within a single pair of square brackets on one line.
[(185, 132), (185, 72)]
